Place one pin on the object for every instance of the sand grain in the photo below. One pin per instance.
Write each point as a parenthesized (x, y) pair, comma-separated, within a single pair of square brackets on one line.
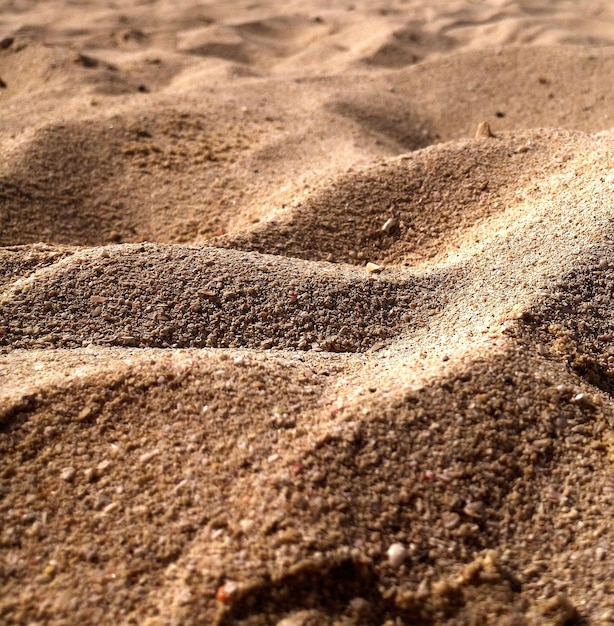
[(282, 340)]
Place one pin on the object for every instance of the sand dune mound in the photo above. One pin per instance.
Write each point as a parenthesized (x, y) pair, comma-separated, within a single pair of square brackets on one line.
[(255, 43), (91, 180), (203, 297), (299, 516), (436, 204), (423, 205), (282, 342), (583, 340), (165, 171), (408, 45)]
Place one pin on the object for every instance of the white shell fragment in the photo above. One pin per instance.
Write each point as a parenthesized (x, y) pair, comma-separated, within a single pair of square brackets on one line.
[(389, 224), (396, 555)]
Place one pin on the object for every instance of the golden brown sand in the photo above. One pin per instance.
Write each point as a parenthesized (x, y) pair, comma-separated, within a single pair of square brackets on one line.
[(306, 312)]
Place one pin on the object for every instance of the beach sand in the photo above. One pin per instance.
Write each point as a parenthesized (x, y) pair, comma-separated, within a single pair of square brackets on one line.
[(306, 312)]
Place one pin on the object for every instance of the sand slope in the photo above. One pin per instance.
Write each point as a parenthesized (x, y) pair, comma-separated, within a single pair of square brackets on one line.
[(281, 340)]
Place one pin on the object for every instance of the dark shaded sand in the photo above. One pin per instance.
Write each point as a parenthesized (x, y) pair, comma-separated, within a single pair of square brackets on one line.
[(281, 341)]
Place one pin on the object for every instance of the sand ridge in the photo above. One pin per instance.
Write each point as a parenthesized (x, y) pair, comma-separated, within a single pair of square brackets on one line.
[(281, 340)]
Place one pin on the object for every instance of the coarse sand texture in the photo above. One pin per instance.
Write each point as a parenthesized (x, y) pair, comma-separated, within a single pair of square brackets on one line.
[(306, 313)]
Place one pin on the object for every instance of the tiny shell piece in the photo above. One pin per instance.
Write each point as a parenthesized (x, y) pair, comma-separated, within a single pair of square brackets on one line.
[(396, 555)]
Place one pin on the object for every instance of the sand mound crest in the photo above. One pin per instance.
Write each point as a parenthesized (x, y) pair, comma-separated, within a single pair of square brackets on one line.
[(435, 209), (204, 297), (206, 161), (429, 203), (408, 45), (258, 43), (91, 180), (256, 426)]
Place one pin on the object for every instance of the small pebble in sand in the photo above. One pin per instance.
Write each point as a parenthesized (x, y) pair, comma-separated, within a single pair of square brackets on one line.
[(396, 555), (474, 509), (423, 589), (103, 466), (359, 605), (303, 618), (583, 400), (226, 591), (450, 520), (483, 130), (85, 413), (373, 268), (110, 508), (68, 473), (147, 456), (389, 225), (51, 569)]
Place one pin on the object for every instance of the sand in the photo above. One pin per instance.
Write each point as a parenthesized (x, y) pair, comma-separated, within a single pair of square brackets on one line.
[(306, 312)]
